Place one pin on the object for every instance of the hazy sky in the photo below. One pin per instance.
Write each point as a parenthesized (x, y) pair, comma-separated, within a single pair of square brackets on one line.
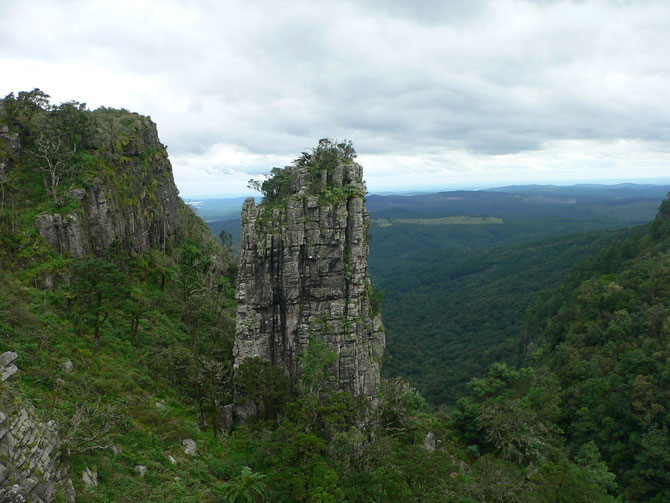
[(434, 94)]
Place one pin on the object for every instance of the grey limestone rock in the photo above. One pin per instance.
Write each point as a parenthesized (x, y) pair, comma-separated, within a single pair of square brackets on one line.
[(63, 233), (429, 441), (30, 464), (190, 446), (78, 194), (7, 357), (8, 372), (7, 367), (141, 469), (89, 477), (67, 366), (303, 273), (136, 205)]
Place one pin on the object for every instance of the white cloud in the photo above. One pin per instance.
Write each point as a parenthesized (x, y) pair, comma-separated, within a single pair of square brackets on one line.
[(461, 92)]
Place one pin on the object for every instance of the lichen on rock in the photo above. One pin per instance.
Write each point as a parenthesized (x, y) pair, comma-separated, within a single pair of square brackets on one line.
[(303, 271)]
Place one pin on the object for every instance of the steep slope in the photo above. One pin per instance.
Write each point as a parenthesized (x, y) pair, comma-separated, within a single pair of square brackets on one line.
[(136, 205), (129, 353), (119, 306), (606, 336), (450, 314), (303, 272)]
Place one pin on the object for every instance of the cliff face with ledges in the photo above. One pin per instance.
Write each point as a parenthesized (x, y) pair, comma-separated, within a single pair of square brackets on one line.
[(135, 204), (303, 273), (92, 180)]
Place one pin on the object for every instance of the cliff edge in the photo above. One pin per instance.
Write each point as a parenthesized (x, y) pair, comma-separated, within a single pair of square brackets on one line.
[(92, 179)]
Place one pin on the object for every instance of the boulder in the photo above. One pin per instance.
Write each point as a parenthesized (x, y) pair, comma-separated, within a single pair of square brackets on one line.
[(429, 441), (190, 447), (89, 477), (67, 366)]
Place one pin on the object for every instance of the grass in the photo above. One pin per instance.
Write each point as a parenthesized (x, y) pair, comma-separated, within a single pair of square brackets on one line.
[(34, 324)]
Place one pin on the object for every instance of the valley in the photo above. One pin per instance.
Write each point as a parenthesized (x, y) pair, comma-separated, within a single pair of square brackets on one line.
[(502, 345)]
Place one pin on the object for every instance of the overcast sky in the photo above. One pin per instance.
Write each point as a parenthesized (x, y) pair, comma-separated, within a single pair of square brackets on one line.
[(434, 94)]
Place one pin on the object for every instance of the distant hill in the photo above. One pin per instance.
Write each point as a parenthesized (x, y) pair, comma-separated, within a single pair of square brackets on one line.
[(628, 203), (611, 205), (216, 209)]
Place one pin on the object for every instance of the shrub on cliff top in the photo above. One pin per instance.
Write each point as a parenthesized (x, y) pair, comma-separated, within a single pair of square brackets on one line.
[(326, 156)]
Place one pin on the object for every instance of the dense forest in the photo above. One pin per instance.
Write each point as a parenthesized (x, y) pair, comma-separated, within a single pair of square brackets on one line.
[(459, 269), (129, 349)]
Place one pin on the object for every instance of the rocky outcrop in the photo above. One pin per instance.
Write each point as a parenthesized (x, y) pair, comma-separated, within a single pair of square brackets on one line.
[(105, 177), (30, 465), (134, 203), (303, 272)]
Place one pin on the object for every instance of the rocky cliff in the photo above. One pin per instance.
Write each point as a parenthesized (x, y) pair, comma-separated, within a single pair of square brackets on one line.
[(303, 271), (108, 175), (135, 204), (30, 465)]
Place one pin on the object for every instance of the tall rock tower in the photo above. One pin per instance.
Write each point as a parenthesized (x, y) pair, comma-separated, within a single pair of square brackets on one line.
[(304, 274)]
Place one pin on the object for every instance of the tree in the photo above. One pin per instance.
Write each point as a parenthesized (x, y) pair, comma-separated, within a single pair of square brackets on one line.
[(226, 239), (211, 381), (53, 159), (398, 405), (90, 427), (72, 121), (318, 364), (260, 383), (136, 306), (98, 286), (247, 487)]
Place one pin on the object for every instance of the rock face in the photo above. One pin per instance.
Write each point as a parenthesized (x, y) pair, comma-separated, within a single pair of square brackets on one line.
[(135, 204), (303, 272), (30, 466)]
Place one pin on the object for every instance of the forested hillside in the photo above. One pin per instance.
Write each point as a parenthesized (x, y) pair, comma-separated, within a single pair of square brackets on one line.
[(451, 314), (459, 269), (605, 335)]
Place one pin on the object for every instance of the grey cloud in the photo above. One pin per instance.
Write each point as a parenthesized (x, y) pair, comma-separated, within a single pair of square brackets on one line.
[(396, 77)]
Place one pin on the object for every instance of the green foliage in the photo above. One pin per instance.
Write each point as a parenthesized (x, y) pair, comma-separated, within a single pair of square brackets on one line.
[(247, 487), (511, 413), (664, 209), (605, 336), (98, 287), (459, 304), (277, 184), (399, 403), (160, 366), (262, 385), (140, 329), (318, 362), (375, 298), (321, 163)]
